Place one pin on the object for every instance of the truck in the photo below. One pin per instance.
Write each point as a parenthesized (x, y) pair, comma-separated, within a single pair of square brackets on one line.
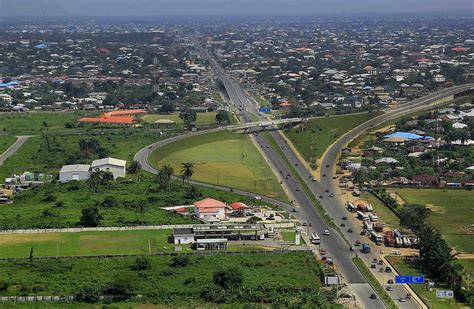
[(378, 227), (373, 217), (356, 192), (397, 233), (398, 242), (362, 215), (370, 207), (368, 226), (376, 237), (388, 239), (365, 248), (362, 207), (406, 242), (351, 207)]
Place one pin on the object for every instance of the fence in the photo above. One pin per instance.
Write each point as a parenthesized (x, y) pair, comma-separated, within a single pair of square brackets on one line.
[(121, 228)]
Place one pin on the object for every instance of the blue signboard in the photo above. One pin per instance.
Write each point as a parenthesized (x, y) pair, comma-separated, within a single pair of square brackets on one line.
[(264, 110), (410, 279)]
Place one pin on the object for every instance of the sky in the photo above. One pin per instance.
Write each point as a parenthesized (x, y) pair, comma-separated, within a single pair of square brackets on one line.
[(226, 7)]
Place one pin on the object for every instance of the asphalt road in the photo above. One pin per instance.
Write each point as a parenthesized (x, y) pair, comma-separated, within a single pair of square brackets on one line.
[(13, 148)]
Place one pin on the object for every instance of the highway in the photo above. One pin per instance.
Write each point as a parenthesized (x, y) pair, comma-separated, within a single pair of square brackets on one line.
[(13, 148), (335, 245)]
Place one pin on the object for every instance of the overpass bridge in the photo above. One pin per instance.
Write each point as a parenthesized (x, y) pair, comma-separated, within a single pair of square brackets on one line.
[(264, 125)]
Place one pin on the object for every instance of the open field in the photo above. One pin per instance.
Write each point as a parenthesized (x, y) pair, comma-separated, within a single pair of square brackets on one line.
[(202, 118), (428, 297), (6, 142), (452, 213), (223, 158), (40, 208), (38, 122), (384, 214), (166, 284), (320, 133), (85, 243)]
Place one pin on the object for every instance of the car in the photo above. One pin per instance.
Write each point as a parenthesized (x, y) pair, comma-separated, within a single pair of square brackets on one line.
[(380, 262), (297, 189), (362, 232), (296, 164), (344, 218), (402, 299), (388, 269), (295, 209), (258, 198), (324, 175), (305, 224), (373, 296), (321, 196), (390, 281), (331, 195), (326, 232), (313, 179), (343, 225), (327, 165), (357, 243), (349, 231), (327, 190), (374, 260), (389, 288), (334, 177), (373, 266)]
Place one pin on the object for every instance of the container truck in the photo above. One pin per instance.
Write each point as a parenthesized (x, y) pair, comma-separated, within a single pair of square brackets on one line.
[(376, 237), (373, 217), (362, 215), (368, 226)]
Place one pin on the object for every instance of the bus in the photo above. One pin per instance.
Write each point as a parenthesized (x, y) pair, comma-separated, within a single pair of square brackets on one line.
[(315, 239)]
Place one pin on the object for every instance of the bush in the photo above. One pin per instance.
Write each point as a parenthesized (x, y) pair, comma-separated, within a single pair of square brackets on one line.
[(90, 294), (109, 202), (142, 263), (123, 286), (49, 198), (228, 278), (180, 261)]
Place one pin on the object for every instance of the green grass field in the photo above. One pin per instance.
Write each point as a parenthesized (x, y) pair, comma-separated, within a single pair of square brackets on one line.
[(320, 133), (37, 122), (6, 142), (202, 118), (86, 243), (162, 282), (428, 297), (223, 158), (452, 213), (384, 214)]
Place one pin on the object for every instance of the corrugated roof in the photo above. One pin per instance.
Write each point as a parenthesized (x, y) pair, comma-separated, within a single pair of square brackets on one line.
[(110, 161), (75, 168)]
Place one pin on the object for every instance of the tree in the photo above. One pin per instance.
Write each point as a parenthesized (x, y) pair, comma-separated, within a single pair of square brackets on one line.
[(134, 167), (90, 217), (123, 286), (89, 294), (228, 278), (413, 215), (222, 117), (187, 171), (254, 219), (192, 192), (164, 176), (188, 116)]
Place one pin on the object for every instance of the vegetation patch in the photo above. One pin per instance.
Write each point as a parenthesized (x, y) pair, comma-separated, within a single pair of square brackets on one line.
[(222, 158), (5, 142)]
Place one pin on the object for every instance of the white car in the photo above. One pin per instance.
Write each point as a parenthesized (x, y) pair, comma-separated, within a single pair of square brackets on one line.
[(326, 232)]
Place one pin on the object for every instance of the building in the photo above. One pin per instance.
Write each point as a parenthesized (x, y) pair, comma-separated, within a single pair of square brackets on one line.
[(183, 236), (115, 166), (211, 244), (74, 172), (126, 117), (209, 207)]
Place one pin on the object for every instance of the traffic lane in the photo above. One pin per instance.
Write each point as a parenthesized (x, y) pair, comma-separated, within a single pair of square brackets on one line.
[(365, 289)]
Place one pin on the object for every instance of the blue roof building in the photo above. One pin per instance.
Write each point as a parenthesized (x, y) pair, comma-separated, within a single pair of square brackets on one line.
[(407, 135)]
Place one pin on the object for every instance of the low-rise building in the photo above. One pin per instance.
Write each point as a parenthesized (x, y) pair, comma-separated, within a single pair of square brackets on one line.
[(74, 172), (115, 166)]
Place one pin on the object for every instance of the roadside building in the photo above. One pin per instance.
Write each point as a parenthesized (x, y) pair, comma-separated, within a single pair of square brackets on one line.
[(183, 236), (209, 207), (115, 166), (74, 172)]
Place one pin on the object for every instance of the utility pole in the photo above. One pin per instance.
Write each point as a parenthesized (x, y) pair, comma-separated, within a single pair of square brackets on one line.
[(149, 246), (57, 247), (156, 75)]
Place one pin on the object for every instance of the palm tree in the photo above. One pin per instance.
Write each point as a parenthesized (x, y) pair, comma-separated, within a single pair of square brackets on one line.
[(140, 207), (134, 167), (165, 173), (187, 171)]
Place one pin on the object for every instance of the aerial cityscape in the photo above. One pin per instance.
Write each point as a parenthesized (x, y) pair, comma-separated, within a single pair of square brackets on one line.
[(236, 154)]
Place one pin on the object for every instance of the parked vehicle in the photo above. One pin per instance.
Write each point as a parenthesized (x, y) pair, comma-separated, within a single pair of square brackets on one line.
[(376, 237), (373, 217), (362, 215)]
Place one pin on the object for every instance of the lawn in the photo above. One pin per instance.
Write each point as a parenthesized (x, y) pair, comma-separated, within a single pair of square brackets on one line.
[(202, 118), (452, 213), (318, 134), (41, 207), (385, 215), (85, 243), (5, 142), (298, 274), (428, 297), (288, 235), (223, 158)]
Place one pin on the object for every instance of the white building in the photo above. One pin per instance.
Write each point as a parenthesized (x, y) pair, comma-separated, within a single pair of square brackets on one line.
[(74, 172), (208, 208), (115, 166)]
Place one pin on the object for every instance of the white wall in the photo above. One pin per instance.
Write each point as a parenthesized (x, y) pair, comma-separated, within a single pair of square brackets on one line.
[(68, 176), (117, 171)]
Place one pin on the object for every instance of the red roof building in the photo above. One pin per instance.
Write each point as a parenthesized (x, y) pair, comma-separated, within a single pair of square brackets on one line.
[(209, 207), (238, 206), (115, 117)]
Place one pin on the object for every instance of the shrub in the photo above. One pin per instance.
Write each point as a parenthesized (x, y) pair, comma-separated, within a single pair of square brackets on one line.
[(228, 278), (89, 294), (142, 263), (180, 261)]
